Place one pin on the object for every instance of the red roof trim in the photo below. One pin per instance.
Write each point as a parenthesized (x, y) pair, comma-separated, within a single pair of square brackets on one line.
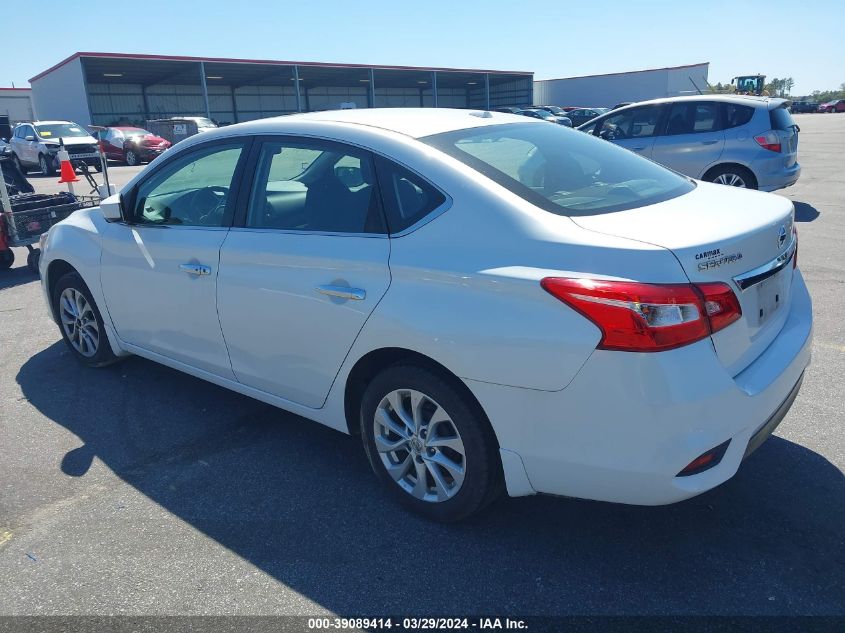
[(630, 72), (268, 62)]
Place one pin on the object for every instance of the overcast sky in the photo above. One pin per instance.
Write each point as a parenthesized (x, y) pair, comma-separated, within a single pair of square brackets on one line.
[(801, 39)]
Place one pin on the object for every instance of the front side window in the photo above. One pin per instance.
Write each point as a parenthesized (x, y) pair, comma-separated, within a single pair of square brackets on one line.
[(631, 123), (191, 190), (560, 170), (314, 186)]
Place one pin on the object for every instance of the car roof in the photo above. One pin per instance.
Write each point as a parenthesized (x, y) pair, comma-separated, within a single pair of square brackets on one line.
[(413, 122), (748, 99), (52, 122)]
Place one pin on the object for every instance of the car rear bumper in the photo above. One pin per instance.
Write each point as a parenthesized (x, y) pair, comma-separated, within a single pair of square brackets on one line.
[(628, 423), (773, 175)]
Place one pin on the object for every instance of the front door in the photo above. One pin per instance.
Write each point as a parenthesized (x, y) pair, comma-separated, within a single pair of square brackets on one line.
[(694, 138), (632, 128), (159, 271), (304, 269)]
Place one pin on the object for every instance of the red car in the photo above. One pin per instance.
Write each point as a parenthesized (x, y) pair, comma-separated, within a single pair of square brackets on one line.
[(131, 145), (837, 105)]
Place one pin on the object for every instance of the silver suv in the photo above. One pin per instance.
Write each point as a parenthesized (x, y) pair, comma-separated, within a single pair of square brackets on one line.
[(35, 145), (732, 140)]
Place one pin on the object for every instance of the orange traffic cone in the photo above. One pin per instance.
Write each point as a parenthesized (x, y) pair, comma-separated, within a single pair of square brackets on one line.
[(68, 173)]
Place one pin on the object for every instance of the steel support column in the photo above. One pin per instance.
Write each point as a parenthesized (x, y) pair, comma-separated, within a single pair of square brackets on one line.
[(204, 90), (296, 85), (372, 93), (487, 90), (434, 86)]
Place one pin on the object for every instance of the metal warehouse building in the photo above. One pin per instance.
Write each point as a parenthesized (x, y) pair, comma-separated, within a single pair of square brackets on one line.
[(16, 103), (113, 88), (608, 90)]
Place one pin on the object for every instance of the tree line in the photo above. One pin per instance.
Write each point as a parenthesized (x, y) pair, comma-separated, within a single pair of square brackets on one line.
[(783, 88)]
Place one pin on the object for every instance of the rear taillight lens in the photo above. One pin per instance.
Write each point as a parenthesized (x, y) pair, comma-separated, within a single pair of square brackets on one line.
[(770, 141), (637, 317)]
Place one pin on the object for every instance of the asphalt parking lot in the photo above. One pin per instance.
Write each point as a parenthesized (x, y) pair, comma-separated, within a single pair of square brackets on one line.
[(139, 490)]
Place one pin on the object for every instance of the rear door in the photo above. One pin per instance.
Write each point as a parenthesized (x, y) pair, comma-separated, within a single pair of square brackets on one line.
[(303, 268), (693, 138), (633, 128)]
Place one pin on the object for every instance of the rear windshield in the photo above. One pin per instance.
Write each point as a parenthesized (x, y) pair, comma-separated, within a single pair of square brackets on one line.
[(560, 170), (781, 119)]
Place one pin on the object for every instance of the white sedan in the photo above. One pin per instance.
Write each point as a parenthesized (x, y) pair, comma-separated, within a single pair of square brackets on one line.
[(492, 303)]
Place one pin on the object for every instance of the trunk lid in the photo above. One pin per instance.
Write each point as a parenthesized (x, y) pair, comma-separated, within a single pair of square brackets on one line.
[(740, 237)]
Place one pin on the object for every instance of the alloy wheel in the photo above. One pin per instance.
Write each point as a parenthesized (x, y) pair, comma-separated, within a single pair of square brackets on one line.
[(732, 180), (419, 445), (79, 322)]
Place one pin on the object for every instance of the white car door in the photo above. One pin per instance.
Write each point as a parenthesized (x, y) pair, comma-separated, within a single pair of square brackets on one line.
[(159, 270), (303, 267)]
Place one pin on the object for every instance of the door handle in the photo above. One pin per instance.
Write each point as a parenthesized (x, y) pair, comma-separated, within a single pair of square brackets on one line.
[(709, 142), (342, 292), (195, 269)]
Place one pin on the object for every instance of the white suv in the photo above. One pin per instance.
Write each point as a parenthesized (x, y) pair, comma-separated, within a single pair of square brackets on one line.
[(35, 145)]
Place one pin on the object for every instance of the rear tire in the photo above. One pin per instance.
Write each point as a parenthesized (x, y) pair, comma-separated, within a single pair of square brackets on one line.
[(80, 322), (438, 434), (32, 259), (732, 176), (7, 258)]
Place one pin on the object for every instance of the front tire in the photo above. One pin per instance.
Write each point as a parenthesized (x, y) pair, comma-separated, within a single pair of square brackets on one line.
[(429, 444), (47, 165), (80, 322), (132, 158)]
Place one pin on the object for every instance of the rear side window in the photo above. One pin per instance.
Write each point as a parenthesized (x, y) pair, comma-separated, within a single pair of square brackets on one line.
[(781, 119), (693, 117), (408, 198), (736, 114)]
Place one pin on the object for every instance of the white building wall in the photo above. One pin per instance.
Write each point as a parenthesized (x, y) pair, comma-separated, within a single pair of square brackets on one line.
[(60, 95), (608, 90), (16, 103)]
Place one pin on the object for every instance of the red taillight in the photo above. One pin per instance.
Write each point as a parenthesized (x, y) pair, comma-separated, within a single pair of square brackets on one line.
[(769, 140), (705, 461), (637, 317)]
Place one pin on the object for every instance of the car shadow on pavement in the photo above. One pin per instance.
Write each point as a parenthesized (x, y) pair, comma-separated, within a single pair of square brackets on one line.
[(299, 501), (805, 212), (16, 276)]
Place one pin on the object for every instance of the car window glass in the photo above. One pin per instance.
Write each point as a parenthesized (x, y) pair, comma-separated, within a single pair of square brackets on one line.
[(408, 198), (314, 186), (192, 190), (631, 123), (736, 115), (690, 117), (560, 171)]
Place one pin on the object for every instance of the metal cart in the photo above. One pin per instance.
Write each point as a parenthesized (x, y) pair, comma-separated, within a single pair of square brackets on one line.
[(31, 215)]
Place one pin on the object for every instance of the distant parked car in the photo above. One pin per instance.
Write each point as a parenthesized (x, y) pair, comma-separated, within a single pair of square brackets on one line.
[(745, 141), (545, 115), (580, 116), (804, 106), (837, 105), (622, 105), (35, 146), (131, 145), (508, 110)]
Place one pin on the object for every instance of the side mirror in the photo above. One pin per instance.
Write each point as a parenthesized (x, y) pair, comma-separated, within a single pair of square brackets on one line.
[(112, 208), (30, 138)]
